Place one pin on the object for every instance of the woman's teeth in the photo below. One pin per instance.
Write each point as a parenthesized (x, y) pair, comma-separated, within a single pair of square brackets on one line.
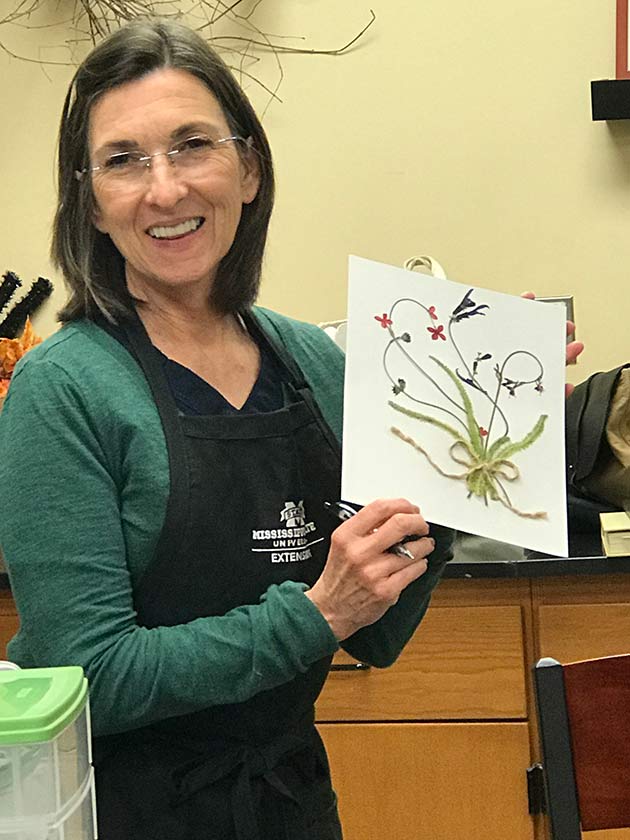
[(176, 230)]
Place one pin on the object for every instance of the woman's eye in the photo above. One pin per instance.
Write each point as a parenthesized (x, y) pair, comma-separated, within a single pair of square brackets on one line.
[(196, 144), (120, 160)]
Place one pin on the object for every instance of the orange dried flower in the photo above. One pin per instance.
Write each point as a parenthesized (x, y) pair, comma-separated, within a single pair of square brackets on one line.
[(12, 350)]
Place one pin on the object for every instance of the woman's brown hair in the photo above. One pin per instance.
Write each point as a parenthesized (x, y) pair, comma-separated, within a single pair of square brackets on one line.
[(91, 264)]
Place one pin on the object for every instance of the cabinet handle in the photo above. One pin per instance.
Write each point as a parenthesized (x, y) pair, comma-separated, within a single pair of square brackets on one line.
[(350, 666)]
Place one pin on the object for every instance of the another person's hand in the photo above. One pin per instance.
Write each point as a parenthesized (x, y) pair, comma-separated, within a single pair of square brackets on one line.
[(362, 579), (574, 348)]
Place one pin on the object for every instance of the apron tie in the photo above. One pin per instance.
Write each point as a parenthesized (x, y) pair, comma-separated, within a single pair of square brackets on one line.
[(249, 762)]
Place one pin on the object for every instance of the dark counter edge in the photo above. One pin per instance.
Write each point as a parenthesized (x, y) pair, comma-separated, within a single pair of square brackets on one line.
[(586, 557), (539, 567), (527, 568)]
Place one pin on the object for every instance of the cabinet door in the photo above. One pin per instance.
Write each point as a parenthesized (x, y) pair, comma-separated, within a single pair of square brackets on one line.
[(8, 621), (422, 781), (463, 663), (570, 632)]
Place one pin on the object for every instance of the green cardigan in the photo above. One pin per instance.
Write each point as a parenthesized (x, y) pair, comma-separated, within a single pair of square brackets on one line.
[(84, 468)]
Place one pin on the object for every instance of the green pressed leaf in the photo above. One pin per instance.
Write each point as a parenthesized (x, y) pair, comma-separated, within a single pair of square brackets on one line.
[(496, 445), (518, 446), (471, 423), (479, 484), (426, 418)]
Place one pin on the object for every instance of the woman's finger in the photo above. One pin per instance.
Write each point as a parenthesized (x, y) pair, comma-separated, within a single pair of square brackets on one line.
[(574, 348), (400, 526), (374, 515)]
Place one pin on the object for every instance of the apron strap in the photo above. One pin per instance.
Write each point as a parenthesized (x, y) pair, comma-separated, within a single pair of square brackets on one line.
[(255, 329), (132, 334), (295, 379)]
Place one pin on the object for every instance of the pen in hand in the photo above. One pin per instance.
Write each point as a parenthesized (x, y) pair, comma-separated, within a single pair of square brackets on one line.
[(343, 511)]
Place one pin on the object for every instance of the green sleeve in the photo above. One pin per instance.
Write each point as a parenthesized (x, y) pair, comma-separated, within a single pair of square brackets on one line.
[(381, 643), (62, 536)]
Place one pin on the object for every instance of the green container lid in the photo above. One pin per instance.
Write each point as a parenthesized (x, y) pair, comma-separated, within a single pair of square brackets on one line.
[(36, 704)]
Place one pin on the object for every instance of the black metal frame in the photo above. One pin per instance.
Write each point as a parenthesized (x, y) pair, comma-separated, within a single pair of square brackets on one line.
[(562, 804)]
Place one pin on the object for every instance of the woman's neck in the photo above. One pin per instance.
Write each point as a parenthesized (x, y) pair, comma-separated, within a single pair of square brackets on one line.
[(186, 325), (216, 346), (178, 314)]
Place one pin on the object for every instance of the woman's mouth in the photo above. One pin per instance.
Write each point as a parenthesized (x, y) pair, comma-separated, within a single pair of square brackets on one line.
[(176, 231)]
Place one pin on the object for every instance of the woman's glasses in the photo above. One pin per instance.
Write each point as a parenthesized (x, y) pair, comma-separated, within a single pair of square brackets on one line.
[(130, 168)]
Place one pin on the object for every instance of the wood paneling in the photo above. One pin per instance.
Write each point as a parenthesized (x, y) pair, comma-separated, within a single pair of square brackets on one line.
[(8, 621), (568, 632), (462, 663), (582, 618), (443, 781), (469, 661)]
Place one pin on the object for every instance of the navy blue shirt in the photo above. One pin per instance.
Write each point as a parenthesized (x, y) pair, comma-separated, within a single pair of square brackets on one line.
[(194, 396)]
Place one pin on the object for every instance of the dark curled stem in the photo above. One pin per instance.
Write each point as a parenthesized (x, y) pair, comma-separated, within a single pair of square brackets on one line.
[(396, 341)]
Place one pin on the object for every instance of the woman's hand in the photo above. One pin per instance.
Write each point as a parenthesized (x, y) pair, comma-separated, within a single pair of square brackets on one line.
[(362, 579), (574, 348)]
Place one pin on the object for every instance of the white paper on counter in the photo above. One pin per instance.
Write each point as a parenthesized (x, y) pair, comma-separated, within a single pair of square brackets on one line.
[(397, 321)]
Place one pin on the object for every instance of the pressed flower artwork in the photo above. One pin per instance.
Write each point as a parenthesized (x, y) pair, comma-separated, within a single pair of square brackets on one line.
[(457, 393)]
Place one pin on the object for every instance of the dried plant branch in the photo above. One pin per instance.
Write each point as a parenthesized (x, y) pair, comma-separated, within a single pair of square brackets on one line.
[(92, 20), (43, 63), (225, 11), (281, 48)]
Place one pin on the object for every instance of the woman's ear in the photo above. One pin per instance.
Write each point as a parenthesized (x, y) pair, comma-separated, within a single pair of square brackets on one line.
[(97, 221), (250, 173)]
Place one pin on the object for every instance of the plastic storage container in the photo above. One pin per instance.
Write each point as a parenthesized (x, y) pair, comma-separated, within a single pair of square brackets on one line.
[(46, 777)]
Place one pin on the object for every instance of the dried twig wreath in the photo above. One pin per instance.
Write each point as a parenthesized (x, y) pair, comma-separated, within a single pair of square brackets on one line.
[(228, 26)]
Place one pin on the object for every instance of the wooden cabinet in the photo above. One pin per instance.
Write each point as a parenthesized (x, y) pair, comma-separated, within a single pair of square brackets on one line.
[(8, 621), (462, 663), (437, 746), (570, 632), (582, 618), (430, 781)]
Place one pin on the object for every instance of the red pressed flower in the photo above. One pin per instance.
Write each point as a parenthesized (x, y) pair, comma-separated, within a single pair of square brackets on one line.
[(437, 332), (483, 432), (383, 320), (432, 313)]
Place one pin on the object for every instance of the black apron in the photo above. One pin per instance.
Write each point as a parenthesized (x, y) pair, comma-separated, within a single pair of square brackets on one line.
[(245, 511)]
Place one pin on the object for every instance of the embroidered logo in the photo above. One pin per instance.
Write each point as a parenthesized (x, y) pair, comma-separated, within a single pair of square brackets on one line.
[(293, 515), (290, 543)]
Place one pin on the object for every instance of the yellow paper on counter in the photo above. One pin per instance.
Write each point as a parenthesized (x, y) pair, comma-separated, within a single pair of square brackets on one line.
[(615, 533)]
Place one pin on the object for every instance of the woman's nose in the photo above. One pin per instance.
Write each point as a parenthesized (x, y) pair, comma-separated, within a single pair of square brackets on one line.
[(165, 186)]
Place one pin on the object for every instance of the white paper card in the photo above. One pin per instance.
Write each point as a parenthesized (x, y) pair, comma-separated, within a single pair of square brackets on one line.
[(485, 373)]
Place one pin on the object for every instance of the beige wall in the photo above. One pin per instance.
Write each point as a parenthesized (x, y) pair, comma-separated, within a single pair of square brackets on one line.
[(455, 129)]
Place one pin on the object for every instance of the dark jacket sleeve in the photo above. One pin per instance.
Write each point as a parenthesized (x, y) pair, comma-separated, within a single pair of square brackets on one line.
[(381, 643)]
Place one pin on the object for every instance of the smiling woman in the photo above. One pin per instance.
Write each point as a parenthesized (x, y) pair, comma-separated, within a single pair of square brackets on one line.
[(173, 214), (210, 106), (181, 444)]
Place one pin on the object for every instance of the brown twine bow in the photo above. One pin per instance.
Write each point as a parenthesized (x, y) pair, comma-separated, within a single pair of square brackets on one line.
[(479, 475)]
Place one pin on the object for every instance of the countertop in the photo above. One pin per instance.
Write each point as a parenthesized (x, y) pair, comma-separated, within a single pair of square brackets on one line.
[(476, 557), (479, 558)]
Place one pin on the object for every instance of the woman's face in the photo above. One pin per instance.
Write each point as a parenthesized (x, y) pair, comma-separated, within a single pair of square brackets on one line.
[(172, 224)]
